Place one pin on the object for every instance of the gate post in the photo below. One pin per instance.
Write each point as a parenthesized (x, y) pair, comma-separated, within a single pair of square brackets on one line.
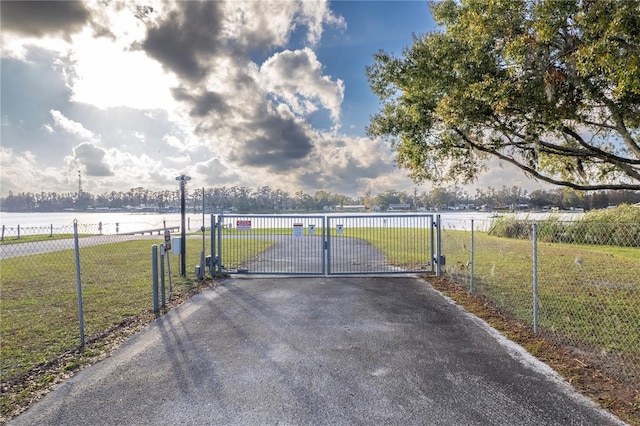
[(438, 247), (213, 260), (219, 256)]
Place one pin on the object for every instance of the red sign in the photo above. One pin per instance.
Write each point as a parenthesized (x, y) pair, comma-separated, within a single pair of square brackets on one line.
[(243, 225)]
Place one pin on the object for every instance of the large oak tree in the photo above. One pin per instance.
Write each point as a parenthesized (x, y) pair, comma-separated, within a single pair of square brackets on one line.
[(552, 87)]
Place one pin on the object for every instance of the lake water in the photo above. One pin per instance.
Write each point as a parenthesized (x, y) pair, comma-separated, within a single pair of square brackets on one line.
[(121, 222)]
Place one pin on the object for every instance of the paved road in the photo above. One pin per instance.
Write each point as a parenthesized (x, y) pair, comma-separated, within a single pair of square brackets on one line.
[(316, 351), (8, 251)]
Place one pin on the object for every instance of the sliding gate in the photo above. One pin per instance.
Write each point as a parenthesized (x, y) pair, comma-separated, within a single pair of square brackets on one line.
[(324, 245)]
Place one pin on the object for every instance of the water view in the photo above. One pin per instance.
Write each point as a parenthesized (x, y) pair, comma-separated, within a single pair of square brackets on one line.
[(120, 222)]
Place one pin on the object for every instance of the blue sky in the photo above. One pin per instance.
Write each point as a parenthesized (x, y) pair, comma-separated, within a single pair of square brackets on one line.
[(231, 93)]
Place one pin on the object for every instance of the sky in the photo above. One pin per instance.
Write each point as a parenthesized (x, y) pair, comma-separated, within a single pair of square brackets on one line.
[(241, 93)]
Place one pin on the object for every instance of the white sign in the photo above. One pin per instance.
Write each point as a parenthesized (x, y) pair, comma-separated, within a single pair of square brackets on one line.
[(177, 241), (312, 230), (339, 229), (298, 230), (243, 225)]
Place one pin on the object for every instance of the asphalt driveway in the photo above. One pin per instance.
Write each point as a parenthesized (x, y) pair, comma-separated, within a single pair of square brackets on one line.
[(317, 351)]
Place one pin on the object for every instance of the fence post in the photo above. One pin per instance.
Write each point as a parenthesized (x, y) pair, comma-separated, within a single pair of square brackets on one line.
[(471, 260), (78, 281), (2, 239), (51, 233), (535, 277), (154, 269), (18, 232)]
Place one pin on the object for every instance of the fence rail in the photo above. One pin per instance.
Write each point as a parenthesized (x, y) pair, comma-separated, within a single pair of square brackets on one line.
[(576, 283)]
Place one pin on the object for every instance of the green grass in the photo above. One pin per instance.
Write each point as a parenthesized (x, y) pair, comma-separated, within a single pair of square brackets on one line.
[(39, 307), (34, 238), (405, 247), (587, 294), (594, 302)]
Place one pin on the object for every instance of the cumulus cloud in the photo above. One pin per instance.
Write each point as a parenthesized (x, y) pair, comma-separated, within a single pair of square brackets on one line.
[(296, 77), (40, 18), (72, 127), (202, 104), (92, 158), (208, 88), (264, 25), (216, 172), (186, 39), (273, 142), (23, 172)]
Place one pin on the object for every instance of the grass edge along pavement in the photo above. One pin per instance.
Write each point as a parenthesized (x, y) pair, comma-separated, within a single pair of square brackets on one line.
[(618, 398), (39, 369), (17, 396)]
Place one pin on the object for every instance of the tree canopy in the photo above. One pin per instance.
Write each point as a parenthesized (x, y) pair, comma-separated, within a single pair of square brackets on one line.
[(552, 87)]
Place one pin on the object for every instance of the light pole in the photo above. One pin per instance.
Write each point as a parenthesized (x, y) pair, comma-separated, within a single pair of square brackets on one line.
[(183, 243)]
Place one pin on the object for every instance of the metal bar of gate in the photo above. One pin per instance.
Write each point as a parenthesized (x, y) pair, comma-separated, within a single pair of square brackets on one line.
[(272, 244), (380, 244), (311, 245)]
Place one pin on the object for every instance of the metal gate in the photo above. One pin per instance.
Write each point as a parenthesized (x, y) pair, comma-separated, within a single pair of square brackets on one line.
[(324, 245)]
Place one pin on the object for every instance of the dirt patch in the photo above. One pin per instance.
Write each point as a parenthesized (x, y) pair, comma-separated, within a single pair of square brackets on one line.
[(621, 399), (20, 392)]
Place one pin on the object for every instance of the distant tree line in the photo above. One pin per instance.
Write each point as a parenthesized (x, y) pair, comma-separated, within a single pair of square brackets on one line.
[(266, 199)]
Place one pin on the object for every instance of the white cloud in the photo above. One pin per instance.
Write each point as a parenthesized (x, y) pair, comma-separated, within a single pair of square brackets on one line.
[(174, 142), (72, 127), (23, 172), (263, 24), (221, 117), (296, 77)]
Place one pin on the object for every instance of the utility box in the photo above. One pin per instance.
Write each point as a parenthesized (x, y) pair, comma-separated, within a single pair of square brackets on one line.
[(175, 245), (167, 239)]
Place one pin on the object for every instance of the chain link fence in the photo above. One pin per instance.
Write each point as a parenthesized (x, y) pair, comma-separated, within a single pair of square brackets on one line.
[(41, 313), (577, 283)]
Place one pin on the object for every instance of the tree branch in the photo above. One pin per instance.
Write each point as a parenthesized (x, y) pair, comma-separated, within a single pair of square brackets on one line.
[(537, 174)]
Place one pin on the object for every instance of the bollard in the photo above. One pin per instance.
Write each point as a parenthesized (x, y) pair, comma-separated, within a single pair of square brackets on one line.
[(154, 269), (163, 252)]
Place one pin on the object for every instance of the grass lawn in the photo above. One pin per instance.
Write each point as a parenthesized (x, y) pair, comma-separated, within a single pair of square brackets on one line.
[(39, 307), (405, 247), (587, 294), (34, 238)]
